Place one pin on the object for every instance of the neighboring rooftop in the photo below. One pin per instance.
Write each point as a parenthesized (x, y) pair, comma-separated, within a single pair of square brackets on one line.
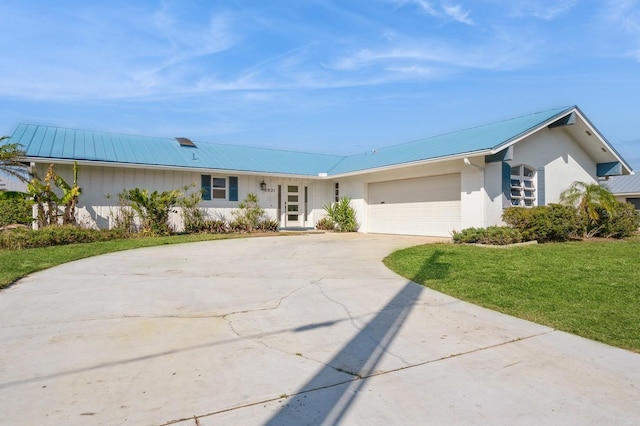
[(621, 185)]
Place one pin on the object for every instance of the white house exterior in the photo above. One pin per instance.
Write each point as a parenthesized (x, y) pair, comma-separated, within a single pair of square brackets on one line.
[(426, 187)]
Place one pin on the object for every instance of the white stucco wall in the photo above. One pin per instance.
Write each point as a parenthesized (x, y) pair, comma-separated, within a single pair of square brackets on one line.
[(563, 159), (473, 194)]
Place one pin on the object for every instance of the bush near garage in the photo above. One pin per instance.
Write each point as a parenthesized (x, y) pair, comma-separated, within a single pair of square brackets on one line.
[(493, 235), (553, 222)]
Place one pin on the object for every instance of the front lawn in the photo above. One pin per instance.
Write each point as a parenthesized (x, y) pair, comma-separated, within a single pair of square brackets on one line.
[(591, 289)]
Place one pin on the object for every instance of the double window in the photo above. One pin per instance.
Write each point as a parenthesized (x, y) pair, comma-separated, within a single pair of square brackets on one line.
[(219, 188), (523, 188)]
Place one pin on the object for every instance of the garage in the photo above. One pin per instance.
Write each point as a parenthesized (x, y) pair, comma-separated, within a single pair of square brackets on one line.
[(422, 206)]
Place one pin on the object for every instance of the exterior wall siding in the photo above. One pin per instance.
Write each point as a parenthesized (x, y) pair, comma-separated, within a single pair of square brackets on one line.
[(98, 203), (479, 202)]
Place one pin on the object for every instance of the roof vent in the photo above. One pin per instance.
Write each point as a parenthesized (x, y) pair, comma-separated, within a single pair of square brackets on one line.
[(186, 142)]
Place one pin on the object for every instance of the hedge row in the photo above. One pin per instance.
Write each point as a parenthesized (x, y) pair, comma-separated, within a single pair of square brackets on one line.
[(21, 238)]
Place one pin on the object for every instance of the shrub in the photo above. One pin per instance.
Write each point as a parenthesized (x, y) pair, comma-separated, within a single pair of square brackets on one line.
[(622, 221), (15, 210), (54, 235), (343, 215), (215, 226), (248, 215), (194, 218), (497, 235), (268, 225), (153, 209), (553, 222), (326, 224)]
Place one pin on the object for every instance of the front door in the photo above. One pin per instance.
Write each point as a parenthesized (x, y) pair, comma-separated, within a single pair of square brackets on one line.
[(292, 206)]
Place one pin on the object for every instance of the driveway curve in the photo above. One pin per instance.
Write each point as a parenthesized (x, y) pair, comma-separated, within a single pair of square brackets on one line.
[(308, 329)]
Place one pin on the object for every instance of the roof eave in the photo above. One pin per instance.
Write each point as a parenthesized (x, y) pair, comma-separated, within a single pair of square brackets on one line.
[(517, 138), (604, 141), (166, 167), (423, 162)]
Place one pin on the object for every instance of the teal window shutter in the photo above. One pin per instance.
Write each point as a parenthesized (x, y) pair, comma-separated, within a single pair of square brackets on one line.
[(506, 185), (205, 186), (233, 188), (540, 189)]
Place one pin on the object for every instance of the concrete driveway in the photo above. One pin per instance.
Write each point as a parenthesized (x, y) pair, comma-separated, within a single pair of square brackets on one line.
[(308, 329)]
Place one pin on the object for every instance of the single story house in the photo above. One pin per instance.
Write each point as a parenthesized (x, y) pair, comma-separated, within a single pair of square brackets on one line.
[(429, 187), (625, 188)]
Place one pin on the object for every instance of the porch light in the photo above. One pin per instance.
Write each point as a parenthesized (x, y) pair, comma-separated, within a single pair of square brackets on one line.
[(263, 185)]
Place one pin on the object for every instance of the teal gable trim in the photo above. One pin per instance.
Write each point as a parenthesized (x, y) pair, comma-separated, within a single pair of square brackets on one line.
[(504, 155), (567, 120), (506, 185), (233, 188), (609, 169)]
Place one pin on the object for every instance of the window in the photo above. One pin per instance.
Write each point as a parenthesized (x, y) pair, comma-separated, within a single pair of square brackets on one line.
[(635, 202), (219, 188), (523, 188), (306, 203), (215, 188), (337, 191)]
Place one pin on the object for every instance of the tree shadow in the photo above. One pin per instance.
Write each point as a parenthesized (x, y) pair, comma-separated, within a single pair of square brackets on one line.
[(315, 402), (432, 268)]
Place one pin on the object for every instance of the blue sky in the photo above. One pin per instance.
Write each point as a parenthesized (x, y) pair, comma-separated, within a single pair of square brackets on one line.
[(328, 76)]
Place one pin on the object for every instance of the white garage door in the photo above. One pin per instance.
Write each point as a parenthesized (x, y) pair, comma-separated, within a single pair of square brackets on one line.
[(424, 206)]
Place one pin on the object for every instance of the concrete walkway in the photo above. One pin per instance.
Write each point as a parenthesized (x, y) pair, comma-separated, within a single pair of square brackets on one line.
[(308, 329)]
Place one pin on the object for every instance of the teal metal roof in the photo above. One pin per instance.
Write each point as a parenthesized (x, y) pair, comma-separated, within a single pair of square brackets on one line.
[(70, 144), (82, 145), (469, 141)]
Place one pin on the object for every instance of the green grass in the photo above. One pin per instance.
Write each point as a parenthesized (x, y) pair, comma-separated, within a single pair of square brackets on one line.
[(591, 289), (15, 264)]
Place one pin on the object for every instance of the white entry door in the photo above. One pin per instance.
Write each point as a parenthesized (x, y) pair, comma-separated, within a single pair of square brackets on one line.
[(292, 206)]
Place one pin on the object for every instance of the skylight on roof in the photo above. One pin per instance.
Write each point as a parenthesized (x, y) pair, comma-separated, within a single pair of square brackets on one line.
[(186, 142)]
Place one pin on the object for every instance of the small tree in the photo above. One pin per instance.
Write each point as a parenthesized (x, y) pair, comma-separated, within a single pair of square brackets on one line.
[(342, 215), (70, 196), (45, 199), (48, 202), (249, 214), (194, 217), (153, 208), (10, 155), (591, 200)]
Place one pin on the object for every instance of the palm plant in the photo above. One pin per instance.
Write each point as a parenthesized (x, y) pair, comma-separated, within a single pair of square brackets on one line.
[(45, 199), (591, 200), (10, 154), (342, 215), (70, 195)]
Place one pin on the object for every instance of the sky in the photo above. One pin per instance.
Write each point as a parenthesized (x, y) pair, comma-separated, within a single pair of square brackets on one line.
[(325, 76)]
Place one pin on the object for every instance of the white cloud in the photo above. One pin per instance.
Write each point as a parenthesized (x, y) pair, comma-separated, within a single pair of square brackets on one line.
[(623, 19), (442, 10), (412, 71), (457, 14), (540, 9), (500, 54)]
